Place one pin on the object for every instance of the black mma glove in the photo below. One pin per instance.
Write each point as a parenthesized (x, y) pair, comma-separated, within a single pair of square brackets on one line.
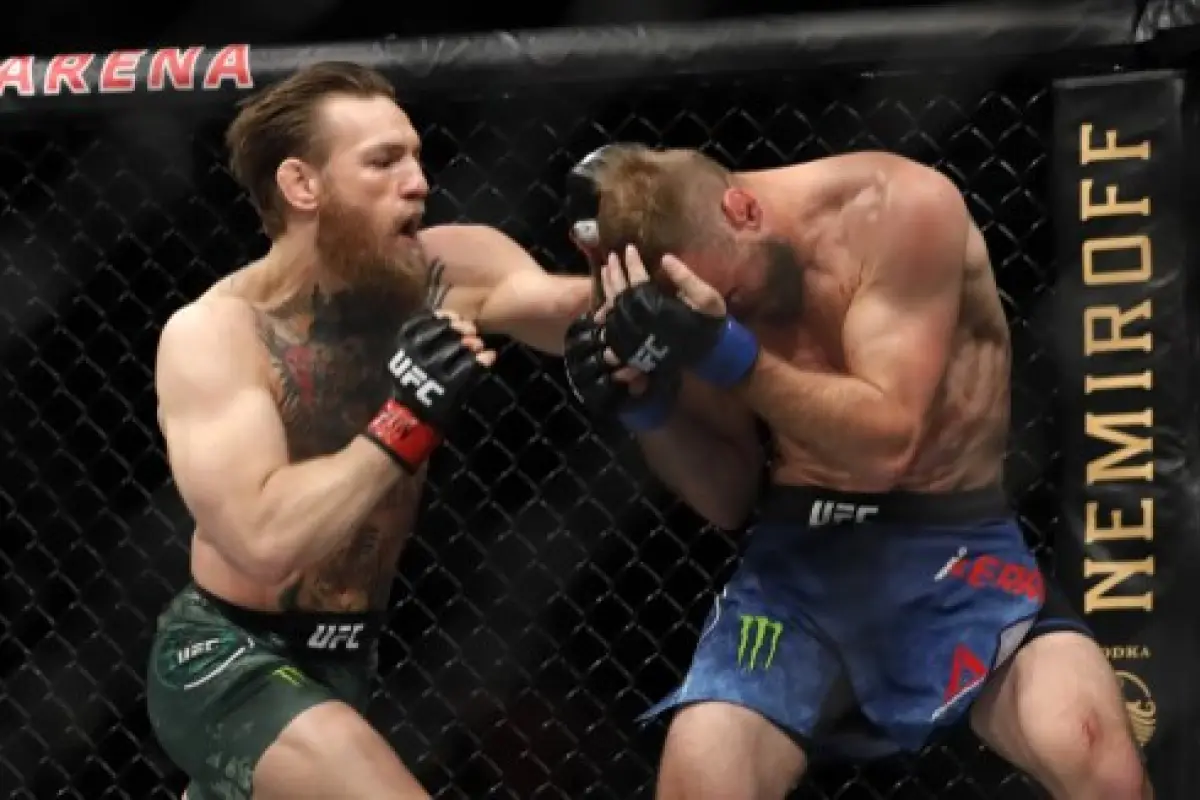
[(432, 370), (660, 334), (592, 381)]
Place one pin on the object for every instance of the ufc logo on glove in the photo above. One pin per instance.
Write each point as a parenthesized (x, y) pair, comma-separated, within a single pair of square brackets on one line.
[(649, 355), (409, 374)]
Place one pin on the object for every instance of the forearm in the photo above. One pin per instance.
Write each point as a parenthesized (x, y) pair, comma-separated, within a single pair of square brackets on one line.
[(535, 308), (714, 475), (306, 511), (845, 421)]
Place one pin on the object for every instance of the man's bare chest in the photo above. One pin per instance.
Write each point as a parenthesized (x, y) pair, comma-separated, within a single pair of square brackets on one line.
[(328, 383)]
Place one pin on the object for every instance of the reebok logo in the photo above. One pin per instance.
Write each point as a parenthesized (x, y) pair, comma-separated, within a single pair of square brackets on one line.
[(331, 637), (991, 572), (758, 632), (829, 512), (408, 374), (966, 673), (648, 356)]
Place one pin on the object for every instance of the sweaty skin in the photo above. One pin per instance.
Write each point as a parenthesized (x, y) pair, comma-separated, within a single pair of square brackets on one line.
[(325, 360), (835, 238)]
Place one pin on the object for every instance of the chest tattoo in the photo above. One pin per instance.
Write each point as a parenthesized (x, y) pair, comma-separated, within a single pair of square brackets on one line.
[(330, 360), (331, 364)]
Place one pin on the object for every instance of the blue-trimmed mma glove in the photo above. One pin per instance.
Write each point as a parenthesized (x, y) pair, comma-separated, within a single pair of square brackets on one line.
[(654, 332), (592, 382)]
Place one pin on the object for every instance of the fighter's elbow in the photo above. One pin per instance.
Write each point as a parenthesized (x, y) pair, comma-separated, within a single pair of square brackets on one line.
[(258, 543), (730, 508), (894, 452), (268, 559), (259, 556)]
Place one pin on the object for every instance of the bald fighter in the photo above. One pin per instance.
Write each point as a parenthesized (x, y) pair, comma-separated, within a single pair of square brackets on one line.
[(886, 592), (300, 399)]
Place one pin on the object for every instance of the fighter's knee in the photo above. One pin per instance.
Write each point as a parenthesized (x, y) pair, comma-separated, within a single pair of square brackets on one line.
[(717, 751), (1091, 756)]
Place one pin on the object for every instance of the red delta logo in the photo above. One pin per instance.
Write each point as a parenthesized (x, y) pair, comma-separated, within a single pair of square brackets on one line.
[(982, 572), (119, 71), (966, 673)]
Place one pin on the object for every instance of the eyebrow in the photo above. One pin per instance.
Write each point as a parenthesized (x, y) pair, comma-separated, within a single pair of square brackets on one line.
[(408, 145)]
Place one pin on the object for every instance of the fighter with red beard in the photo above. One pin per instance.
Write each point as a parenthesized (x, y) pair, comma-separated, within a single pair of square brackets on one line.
[(299, 399)]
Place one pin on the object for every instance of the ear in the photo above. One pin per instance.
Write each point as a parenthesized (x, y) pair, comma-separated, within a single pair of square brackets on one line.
[(299, 184), (741, 209)]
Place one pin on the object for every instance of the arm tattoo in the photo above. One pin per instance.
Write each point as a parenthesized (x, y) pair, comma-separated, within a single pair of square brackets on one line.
[(436, 286)]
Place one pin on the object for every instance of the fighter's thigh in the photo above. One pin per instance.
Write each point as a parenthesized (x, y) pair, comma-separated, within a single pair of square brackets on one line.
[(329, 750), (721, 751), (1056, 711)]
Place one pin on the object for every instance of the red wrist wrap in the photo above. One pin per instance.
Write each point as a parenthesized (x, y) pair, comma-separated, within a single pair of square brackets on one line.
[(404, 436)]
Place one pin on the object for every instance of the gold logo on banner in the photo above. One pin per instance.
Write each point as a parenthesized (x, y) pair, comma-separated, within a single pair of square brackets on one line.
[(1140, 706), (1126, 436), (1127, 652)]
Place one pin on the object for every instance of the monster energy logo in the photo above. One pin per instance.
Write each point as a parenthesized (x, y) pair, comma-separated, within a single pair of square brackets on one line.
[(755, 633), (289, 675)]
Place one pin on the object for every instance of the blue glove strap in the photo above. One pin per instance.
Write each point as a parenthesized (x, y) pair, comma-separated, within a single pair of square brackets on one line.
[(731, 358), (648, 413)]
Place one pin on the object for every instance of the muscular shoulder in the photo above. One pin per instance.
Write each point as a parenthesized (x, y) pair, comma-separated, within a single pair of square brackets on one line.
[(209, 345), (920, 223)]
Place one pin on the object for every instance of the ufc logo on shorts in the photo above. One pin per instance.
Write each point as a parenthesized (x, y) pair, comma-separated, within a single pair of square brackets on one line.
[(828, 512), (331, 637), (648, 356), (409, 374), (198, 649)]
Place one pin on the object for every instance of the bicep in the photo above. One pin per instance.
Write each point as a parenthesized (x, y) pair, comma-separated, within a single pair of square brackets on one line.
[(223, 433), (898, 341), (900, 325), (221, 455)]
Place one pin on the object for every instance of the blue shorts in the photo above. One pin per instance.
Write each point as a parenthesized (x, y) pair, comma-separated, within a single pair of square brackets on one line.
[(862, 624)]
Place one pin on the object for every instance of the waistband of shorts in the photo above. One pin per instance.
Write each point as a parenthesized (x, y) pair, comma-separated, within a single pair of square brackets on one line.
[(815, 506), (325, 634)]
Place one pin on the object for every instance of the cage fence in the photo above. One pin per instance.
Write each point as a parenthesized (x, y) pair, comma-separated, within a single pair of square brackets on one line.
[(553, 589)]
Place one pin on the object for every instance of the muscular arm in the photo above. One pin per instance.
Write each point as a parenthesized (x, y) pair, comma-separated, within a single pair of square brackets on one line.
[(488, 278), (708, 453), (896, 340), (229, 455)]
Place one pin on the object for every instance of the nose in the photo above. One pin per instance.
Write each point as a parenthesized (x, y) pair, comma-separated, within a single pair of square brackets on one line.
[(416, 187)]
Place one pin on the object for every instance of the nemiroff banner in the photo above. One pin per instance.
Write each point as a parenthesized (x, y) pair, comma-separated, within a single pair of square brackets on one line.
[(1128, 527)]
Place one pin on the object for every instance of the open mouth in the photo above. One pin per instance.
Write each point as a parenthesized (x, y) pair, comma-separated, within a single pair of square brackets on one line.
[(408, 229)]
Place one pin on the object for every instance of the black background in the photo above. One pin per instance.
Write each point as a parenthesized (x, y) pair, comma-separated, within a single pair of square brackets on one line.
[(553, 590)]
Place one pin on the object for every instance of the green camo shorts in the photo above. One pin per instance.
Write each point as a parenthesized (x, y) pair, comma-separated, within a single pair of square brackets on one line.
[(223, 682)]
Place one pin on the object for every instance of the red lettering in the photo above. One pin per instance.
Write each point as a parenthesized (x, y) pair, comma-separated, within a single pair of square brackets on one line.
[(117, 73), (983, 573), (231, 63), (17, 73), (179, 66), (990, 571), (67, 71), (1036, 586), (1012, 578)]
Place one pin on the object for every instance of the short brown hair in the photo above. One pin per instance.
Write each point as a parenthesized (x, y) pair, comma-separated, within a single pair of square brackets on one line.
[(662, 201), (280, 123)]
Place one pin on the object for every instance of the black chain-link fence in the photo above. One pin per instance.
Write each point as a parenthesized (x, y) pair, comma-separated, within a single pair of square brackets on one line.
[(553, 590)]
